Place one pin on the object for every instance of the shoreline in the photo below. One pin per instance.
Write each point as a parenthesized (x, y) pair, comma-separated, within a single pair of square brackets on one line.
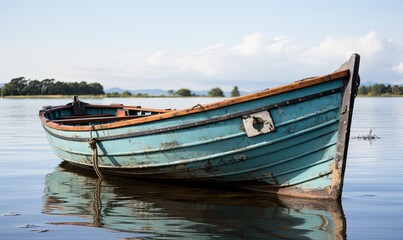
[(53, 96), (96, 96), (383, 96), (161, 96)]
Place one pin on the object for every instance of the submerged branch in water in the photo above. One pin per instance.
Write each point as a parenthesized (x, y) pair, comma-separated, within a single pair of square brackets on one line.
[(369, 136)]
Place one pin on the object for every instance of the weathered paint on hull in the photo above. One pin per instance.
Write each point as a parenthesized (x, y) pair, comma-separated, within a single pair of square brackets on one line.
[(304, 156)]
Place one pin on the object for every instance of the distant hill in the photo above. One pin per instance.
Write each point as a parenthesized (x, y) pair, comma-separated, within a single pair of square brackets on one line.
[(151, 92), (159, 92), (111, 90)]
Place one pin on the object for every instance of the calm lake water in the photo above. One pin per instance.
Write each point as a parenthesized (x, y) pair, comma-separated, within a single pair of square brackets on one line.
[(40, 198)]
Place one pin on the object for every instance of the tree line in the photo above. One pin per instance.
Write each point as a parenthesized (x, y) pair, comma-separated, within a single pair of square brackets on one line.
[(126, 94), (183, 92), (23, 87), (214, 92), (381, 90)]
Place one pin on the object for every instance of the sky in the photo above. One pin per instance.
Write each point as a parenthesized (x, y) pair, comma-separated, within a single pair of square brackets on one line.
[(199, 44)]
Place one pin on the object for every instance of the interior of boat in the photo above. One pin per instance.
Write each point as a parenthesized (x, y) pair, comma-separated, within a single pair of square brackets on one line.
[(81, 113)]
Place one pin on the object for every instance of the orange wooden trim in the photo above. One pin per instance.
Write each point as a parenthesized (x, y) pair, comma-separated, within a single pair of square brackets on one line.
[(174, 113), (148, 109)]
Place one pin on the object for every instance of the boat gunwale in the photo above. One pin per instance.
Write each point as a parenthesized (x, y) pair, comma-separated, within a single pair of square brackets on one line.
[(166, 114)]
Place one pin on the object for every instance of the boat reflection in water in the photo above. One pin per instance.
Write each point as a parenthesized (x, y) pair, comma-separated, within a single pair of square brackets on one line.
[(157, 210)]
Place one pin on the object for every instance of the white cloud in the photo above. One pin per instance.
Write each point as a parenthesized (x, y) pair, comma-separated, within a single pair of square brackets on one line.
[(283, 44), (252, 45), (256, 59), (338, 49), (207, 61), (398, 68), (263, 61), (370, 45), (256, 62), (257, 45)]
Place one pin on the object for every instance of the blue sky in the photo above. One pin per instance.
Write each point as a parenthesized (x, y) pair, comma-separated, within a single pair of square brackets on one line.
[(198, 44)]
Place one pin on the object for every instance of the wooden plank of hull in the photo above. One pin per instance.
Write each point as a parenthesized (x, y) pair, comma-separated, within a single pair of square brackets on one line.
[(304, 157)]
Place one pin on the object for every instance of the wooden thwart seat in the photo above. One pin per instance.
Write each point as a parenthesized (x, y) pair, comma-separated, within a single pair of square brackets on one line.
[(85, 116)]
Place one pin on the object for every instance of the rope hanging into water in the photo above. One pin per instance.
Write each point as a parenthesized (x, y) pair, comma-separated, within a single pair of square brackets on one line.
[(92, 142), (97, 204)]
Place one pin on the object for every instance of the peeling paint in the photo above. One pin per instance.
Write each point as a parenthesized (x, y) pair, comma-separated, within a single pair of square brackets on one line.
[(172, 144)]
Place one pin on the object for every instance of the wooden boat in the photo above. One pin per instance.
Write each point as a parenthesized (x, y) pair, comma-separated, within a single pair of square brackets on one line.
[(289, 140)]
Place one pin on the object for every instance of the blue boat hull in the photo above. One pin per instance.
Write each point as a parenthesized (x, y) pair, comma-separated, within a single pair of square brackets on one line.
[(291, 143)]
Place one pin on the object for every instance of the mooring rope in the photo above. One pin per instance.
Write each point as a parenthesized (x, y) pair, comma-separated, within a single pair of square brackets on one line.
[(92, 142), (97, 204), (197, 105)]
